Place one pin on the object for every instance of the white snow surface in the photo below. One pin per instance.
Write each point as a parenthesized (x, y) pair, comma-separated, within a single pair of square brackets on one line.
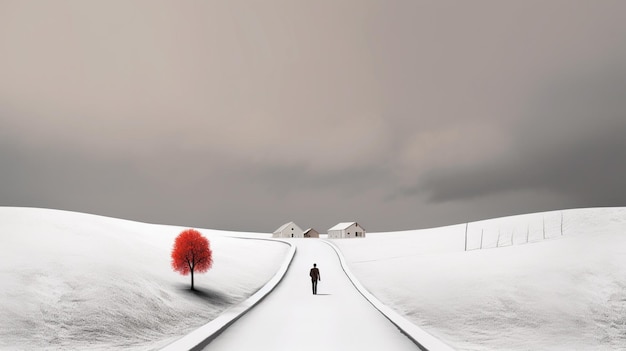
[(77, 281), (544, 281), (292, 318), (521, 292)]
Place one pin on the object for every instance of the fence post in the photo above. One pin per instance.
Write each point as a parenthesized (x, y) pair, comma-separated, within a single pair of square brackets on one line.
[(498, 242), (466, 225), (482, 231)]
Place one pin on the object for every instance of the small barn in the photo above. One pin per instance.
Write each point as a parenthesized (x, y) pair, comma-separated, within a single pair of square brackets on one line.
[(288, 230), (311, 233), (346, 230)]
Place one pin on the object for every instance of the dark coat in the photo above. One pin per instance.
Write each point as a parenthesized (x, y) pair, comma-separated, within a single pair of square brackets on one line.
[(315, 274)]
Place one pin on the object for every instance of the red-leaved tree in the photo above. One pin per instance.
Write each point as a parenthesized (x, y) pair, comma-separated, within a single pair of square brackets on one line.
[(191, 253)]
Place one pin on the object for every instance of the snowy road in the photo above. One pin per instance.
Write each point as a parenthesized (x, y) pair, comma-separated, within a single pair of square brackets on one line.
[(292, 318)]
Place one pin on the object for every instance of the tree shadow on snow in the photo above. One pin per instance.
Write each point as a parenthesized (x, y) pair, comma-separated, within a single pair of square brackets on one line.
[(209, 295)]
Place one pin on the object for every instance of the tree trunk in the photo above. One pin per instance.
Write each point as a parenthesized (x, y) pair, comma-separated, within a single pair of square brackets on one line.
[(192, 288)]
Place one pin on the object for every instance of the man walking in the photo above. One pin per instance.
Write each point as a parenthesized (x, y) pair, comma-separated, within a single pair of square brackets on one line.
[(315, 276)]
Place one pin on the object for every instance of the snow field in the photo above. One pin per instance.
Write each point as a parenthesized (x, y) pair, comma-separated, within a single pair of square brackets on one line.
[(78, 281), (563, 293), (202, 336)]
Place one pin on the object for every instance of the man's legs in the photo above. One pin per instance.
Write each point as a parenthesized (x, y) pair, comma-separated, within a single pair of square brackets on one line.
[(314, 283)]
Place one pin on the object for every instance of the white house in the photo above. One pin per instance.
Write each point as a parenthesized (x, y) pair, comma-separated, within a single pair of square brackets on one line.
[(288, 230), (346, 230), (311, 233)]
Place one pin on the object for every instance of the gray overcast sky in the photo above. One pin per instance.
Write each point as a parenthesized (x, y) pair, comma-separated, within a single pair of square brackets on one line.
[(244, 115)]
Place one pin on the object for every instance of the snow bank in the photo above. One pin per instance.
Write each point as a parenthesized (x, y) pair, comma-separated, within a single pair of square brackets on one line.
[(545, 281), (199, 338), (416, 334), (521, 292), (72, 280)]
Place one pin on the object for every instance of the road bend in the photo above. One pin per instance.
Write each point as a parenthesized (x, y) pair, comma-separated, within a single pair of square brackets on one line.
[(292, 318)]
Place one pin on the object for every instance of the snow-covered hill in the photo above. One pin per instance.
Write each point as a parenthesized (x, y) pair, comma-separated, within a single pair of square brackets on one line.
[(544, 281), (77, 281), (520, 292)]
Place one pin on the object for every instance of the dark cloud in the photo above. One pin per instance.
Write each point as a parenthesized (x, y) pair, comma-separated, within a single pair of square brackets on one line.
[(571, 143), (244, 116), (66, 179), (182, 187)]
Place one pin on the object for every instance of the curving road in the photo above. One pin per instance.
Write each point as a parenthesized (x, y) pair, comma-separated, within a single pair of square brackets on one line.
[(292, 318)]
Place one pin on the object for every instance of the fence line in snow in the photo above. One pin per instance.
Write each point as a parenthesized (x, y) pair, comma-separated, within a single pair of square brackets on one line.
[(511, 231)]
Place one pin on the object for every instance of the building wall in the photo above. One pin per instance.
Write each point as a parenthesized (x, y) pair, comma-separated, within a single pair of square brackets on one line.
[(313, 234), (352, 231), (292, 231), (335, 234)]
